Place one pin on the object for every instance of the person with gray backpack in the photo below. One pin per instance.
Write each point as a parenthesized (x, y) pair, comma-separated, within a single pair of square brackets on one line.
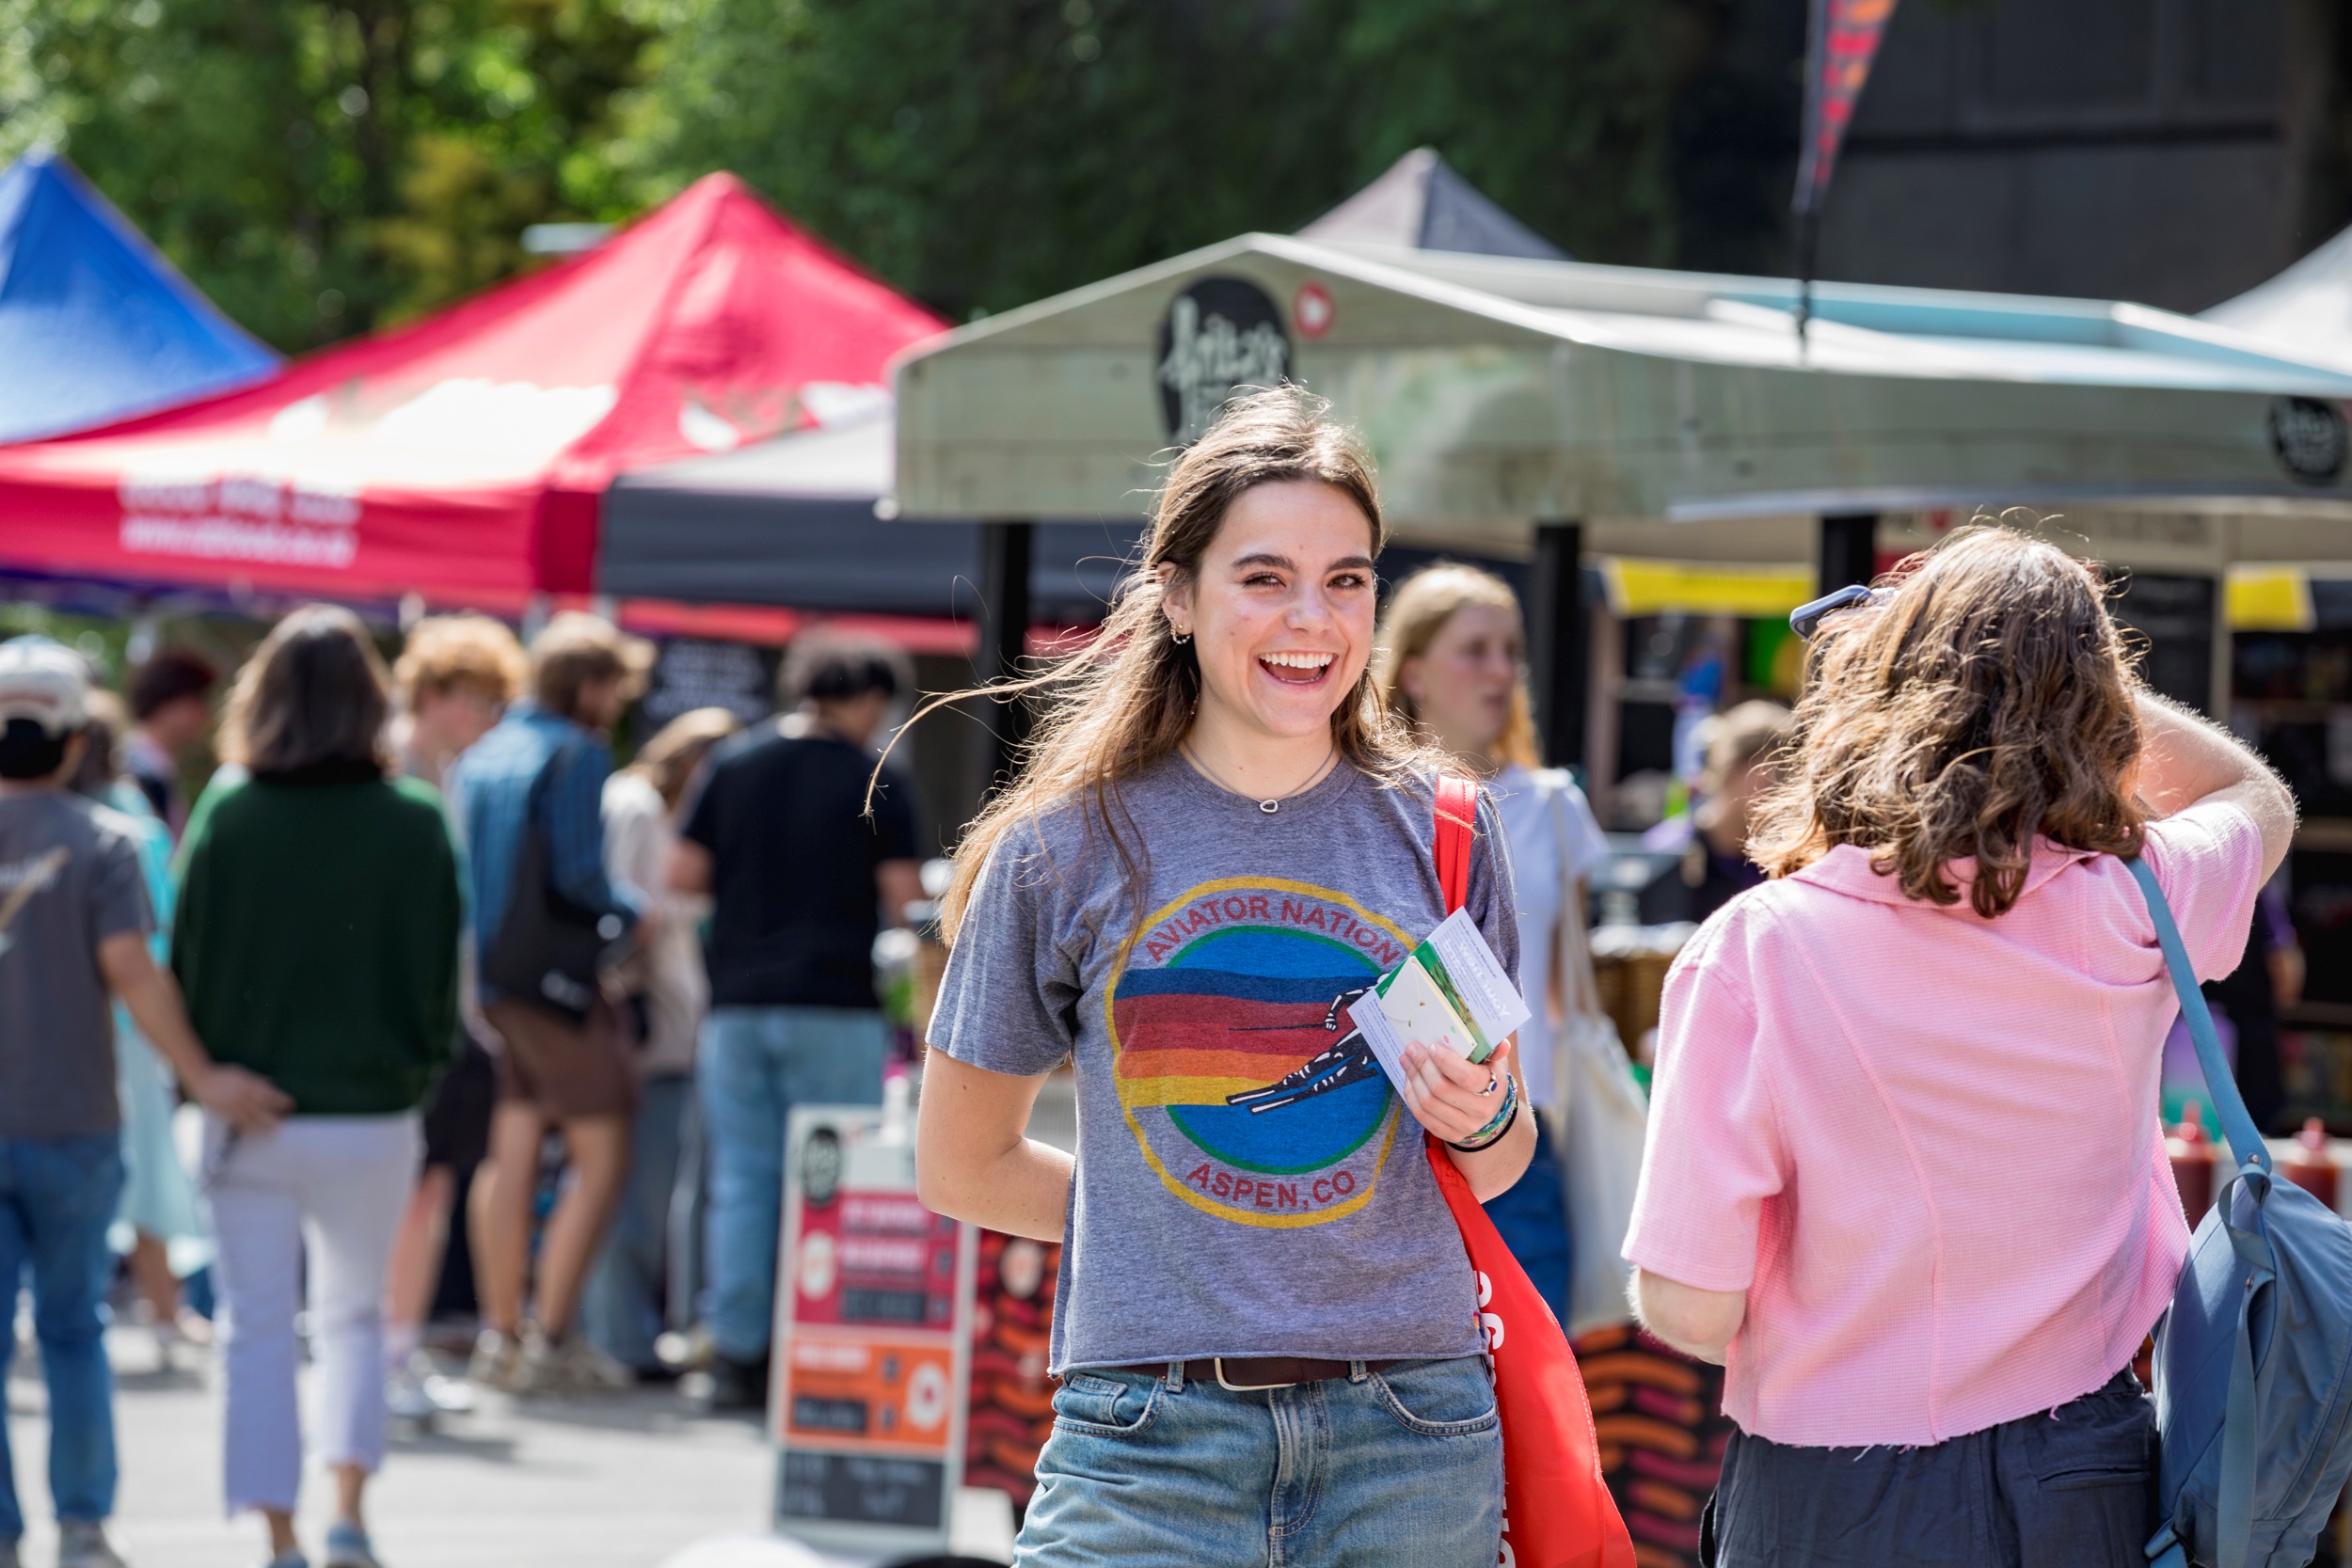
[(2252, 1391), (1904, 1175)]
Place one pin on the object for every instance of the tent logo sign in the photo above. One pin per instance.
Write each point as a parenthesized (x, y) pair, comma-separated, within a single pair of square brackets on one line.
[(1220, 335), (238, 518), (2309, 437)]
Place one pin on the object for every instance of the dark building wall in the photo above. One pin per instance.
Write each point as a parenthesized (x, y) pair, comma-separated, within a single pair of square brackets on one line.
[(2171, 151)]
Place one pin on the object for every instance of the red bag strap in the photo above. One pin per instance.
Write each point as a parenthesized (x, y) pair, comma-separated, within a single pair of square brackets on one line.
[(1457, 813)]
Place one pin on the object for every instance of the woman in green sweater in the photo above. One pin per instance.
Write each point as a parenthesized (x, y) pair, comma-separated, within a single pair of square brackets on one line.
[(317, 941)]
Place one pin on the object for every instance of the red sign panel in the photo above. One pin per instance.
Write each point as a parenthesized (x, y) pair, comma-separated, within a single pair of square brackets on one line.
[(1843, 43)]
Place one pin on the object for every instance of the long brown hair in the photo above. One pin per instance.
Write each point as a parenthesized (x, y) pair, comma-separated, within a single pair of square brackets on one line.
[(1416, 612), (315, 692), (1120, 704), (1989, 702)]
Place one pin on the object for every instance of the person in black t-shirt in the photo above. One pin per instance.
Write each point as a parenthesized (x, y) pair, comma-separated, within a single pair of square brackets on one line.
[(800, 878)]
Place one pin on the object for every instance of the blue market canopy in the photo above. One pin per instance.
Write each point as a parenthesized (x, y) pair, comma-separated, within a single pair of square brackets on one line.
[(1676, 414), (95, 326)]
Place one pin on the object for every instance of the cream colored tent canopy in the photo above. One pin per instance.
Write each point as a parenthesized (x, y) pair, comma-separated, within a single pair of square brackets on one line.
[(1676, 416)]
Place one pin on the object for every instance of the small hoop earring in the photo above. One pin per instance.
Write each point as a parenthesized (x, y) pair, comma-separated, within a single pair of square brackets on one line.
[(1179, 637)]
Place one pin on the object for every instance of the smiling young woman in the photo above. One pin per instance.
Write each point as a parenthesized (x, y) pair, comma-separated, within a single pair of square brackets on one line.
[(1265, 1329)]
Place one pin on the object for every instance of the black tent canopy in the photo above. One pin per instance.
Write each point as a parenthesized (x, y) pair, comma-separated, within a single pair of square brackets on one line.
[(801, 522)]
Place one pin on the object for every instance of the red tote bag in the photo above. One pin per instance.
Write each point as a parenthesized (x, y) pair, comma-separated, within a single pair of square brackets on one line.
[(1556, 1509)]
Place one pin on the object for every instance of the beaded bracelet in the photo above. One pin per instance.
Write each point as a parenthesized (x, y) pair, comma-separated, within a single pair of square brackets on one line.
[(1492, 1134)]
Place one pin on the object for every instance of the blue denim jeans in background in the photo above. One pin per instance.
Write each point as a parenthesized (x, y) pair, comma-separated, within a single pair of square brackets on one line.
[(756, 1064), (621, 1311), (1401, 1468), (56, 1199), (1532, 1216)]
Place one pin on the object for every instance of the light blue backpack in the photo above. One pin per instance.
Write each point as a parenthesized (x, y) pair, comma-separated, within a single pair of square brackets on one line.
[(2254, 1359)]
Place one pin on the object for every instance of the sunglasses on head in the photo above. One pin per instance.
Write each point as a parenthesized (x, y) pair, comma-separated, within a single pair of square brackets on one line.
[(1806, 618)]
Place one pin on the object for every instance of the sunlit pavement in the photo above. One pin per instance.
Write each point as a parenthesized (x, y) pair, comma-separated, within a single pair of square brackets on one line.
[(618, 1482)]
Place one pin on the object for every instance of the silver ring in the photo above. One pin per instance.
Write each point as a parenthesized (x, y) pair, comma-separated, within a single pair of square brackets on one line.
[(1492, 1083)]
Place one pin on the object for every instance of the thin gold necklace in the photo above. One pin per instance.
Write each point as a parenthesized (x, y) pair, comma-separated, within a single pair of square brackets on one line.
[(1272, 803)]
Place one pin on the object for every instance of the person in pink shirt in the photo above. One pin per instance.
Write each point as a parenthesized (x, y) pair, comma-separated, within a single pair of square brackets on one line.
[(1904, 1175)]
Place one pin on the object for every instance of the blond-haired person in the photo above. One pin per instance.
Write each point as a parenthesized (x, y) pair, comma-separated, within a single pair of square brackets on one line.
[(455, 677), (1739, 750), (1904, 1175), (1265, 1328), (643, 802), (455, 674), (1453, 666), (541, 772)]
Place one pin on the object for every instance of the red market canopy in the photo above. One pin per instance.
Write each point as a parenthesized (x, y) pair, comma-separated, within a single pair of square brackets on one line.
[(463, 457)]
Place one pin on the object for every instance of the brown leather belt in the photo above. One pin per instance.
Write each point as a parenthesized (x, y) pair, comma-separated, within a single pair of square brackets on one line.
[(1242, 1373)]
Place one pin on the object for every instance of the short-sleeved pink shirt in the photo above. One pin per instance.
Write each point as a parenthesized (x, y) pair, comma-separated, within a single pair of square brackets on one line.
[(1926, 1143)]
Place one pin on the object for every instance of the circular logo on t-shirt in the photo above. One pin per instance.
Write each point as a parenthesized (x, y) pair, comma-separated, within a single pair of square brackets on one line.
[(1247, 1087)]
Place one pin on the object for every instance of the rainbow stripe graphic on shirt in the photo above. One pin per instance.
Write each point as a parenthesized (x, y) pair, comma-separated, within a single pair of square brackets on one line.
[(1247, 1091)]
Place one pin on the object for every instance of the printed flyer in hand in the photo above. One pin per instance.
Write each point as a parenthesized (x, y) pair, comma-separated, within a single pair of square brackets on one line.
[(1449, 994)]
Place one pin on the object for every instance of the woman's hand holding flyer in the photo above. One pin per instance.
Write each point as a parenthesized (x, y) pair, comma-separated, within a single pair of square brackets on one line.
[(1439, 1024)]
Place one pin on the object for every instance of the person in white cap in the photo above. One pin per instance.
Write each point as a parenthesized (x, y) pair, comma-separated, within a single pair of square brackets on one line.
[(73, 925)]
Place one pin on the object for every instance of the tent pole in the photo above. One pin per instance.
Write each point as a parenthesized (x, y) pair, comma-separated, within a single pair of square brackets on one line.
[(1558, 642), (1808, 237), (1004, 552), (1849, 550)]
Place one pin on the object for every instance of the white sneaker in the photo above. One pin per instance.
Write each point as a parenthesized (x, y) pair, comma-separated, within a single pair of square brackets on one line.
[(571, 1366), (82, 1544), (416, 1391), (404, 1398), (497, 1360)]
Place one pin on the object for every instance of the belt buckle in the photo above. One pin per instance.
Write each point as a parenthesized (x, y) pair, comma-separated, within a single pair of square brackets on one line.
[(1219, 1362)]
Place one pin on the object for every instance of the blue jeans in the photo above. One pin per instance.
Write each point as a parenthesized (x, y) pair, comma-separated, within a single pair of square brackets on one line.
[(56, 1199), (1533, 1217), (756, 1064), (1401, 1468), (622, 1308)]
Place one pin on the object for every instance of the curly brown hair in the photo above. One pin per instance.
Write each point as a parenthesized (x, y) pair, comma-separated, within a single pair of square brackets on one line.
[(1987, 703)]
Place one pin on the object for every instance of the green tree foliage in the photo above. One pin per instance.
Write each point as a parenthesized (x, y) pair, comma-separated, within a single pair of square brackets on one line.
[(321, 166), (982, 153)]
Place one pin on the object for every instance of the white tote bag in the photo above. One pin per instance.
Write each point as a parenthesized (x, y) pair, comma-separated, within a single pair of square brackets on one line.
[(1602, 1119)]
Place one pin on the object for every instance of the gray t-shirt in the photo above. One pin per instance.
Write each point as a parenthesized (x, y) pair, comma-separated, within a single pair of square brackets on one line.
[(1247, 1181), (68, 880)]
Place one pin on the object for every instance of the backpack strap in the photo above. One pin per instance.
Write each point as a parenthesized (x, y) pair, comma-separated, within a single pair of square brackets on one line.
[(2234, 1499), (1457, 813), (2237, 1124)]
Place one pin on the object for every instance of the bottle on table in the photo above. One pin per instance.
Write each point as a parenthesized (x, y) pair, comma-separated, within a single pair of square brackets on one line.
[(2194, 1158), (2309, 1163)]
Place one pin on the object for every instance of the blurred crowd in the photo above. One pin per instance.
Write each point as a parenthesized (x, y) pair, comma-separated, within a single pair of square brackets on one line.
[(413, 943)]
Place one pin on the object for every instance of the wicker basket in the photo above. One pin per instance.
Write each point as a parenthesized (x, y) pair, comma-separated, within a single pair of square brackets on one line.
[(1629, 964)]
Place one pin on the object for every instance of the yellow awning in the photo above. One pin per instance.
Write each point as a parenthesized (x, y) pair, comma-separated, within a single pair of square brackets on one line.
[(2270, 598), (2260, 598), (1658, 587)]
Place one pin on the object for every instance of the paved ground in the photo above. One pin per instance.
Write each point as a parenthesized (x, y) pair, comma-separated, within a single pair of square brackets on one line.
[(627, 1482)]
